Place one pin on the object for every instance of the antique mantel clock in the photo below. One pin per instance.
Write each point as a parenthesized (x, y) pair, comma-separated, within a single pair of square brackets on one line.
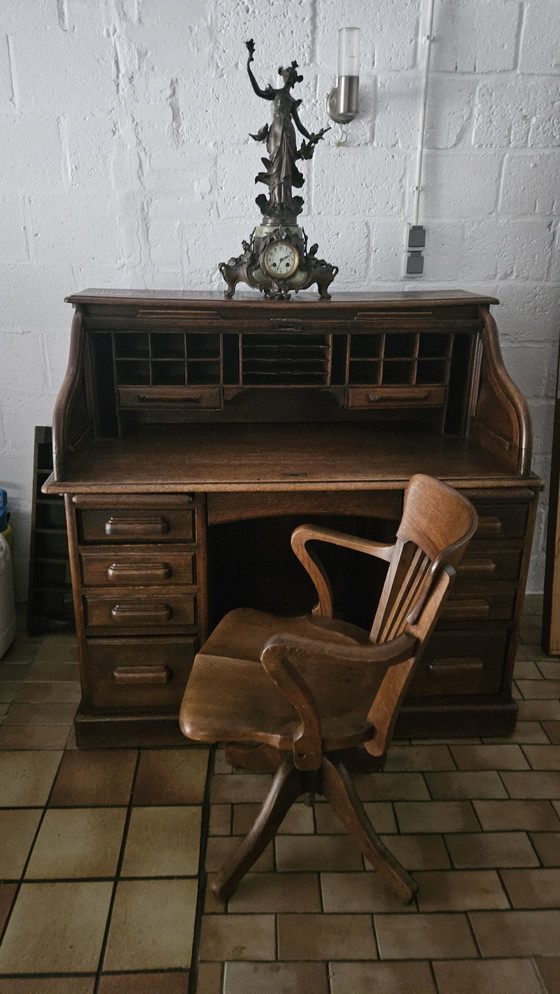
[(277, 259)]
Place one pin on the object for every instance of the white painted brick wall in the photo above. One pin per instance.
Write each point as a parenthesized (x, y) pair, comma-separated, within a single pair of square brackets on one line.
[(126, 160)]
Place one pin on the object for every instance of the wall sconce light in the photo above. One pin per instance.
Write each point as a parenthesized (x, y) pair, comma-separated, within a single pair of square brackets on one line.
[(342, 102)]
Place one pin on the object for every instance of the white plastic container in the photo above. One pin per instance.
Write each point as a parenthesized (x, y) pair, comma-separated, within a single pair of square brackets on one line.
[(7, 604)]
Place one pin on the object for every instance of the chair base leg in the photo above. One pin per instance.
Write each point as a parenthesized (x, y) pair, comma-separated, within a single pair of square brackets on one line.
[(331, 780), (339, 790), (287, 786)]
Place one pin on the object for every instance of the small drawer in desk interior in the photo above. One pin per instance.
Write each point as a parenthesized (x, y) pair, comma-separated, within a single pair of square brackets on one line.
[(126, 566), (158, 611), (156, 523)]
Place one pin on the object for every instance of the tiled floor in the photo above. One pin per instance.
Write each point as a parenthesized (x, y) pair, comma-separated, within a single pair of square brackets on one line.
[(99, 859)]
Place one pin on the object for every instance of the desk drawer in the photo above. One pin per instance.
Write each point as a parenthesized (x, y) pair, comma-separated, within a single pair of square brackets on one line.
[(126, 566), (484, 563), (484, 604), (461, 662), (501, 520), (158, 522), (156, 611), (396, 396), (129, 673)]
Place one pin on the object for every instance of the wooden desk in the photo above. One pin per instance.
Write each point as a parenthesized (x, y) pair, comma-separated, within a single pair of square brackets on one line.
[(190, 427)]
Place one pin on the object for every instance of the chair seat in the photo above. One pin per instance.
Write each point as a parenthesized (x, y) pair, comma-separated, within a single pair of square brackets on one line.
[(246, 704)]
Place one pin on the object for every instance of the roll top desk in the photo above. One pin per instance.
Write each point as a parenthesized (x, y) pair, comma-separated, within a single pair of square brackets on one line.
[(191, 434)]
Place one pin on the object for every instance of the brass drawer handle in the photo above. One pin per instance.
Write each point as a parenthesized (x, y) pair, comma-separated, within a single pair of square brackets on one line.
[(478, 607), (135, 572), (131, 525), (141, 675), (286, 324), (456, 662), (141, 613), (490, 525), (398, 393), (159, 398), (477, 567)]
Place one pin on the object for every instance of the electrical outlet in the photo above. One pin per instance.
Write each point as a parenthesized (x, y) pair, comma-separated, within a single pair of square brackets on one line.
[(415, 250)]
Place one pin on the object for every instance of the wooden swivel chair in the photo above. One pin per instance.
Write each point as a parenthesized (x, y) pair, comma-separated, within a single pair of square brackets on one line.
[(311, 687)]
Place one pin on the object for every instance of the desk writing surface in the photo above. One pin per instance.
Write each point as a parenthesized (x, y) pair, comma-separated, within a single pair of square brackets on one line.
[(275, 456)]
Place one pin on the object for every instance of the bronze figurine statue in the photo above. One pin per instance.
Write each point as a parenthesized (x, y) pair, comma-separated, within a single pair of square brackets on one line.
[(281, 170), (276, 260)]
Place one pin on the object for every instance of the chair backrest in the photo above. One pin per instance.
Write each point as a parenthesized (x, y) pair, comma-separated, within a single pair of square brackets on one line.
[(435, 529), (436, 525)]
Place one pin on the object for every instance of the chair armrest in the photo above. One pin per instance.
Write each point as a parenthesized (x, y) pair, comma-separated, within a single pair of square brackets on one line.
[(311, 562), (279, 659)]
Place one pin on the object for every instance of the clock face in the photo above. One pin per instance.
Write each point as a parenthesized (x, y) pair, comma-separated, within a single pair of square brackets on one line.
[(280, 259)]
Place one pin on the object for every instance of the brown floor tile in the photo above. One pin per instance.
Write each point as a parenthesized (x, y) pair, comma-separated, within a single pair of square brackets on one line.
[(144, 983), (465, 784), (162, 842), (547, 845), (326, 937), (7, 895), (317, 852), (10, 672), (489, 757), (534, 690), (236, 788), (272, 892), (77, 842), (543, 757), (40, 671), (391, 786), (276, 978), (8, 690), (26, 778), (459, 890), (549, 970), (419, 757), (526, 669), (57, 650), (56, 928), (50, 691), (209, 979), (380, 813), (237, 937), (298, 821), (93, 777), (418, 852), (491, 849), (34, 736), (436, 816), (537, 784), (220, 847), (48, 985), (538, 816), (502, 976), (152, 925), (530, 651), (539, 710), (552, 729), (27, 713), (516, 933), (359, 892), (423, 936), (171, 776), (17, 831), (220, 819), (525, 731), (385, 978), (533, 888)]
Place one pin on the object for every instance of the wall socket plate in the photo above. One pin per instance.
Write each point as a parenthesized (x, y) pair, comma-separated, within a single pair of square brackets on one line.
[(416, 242)]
